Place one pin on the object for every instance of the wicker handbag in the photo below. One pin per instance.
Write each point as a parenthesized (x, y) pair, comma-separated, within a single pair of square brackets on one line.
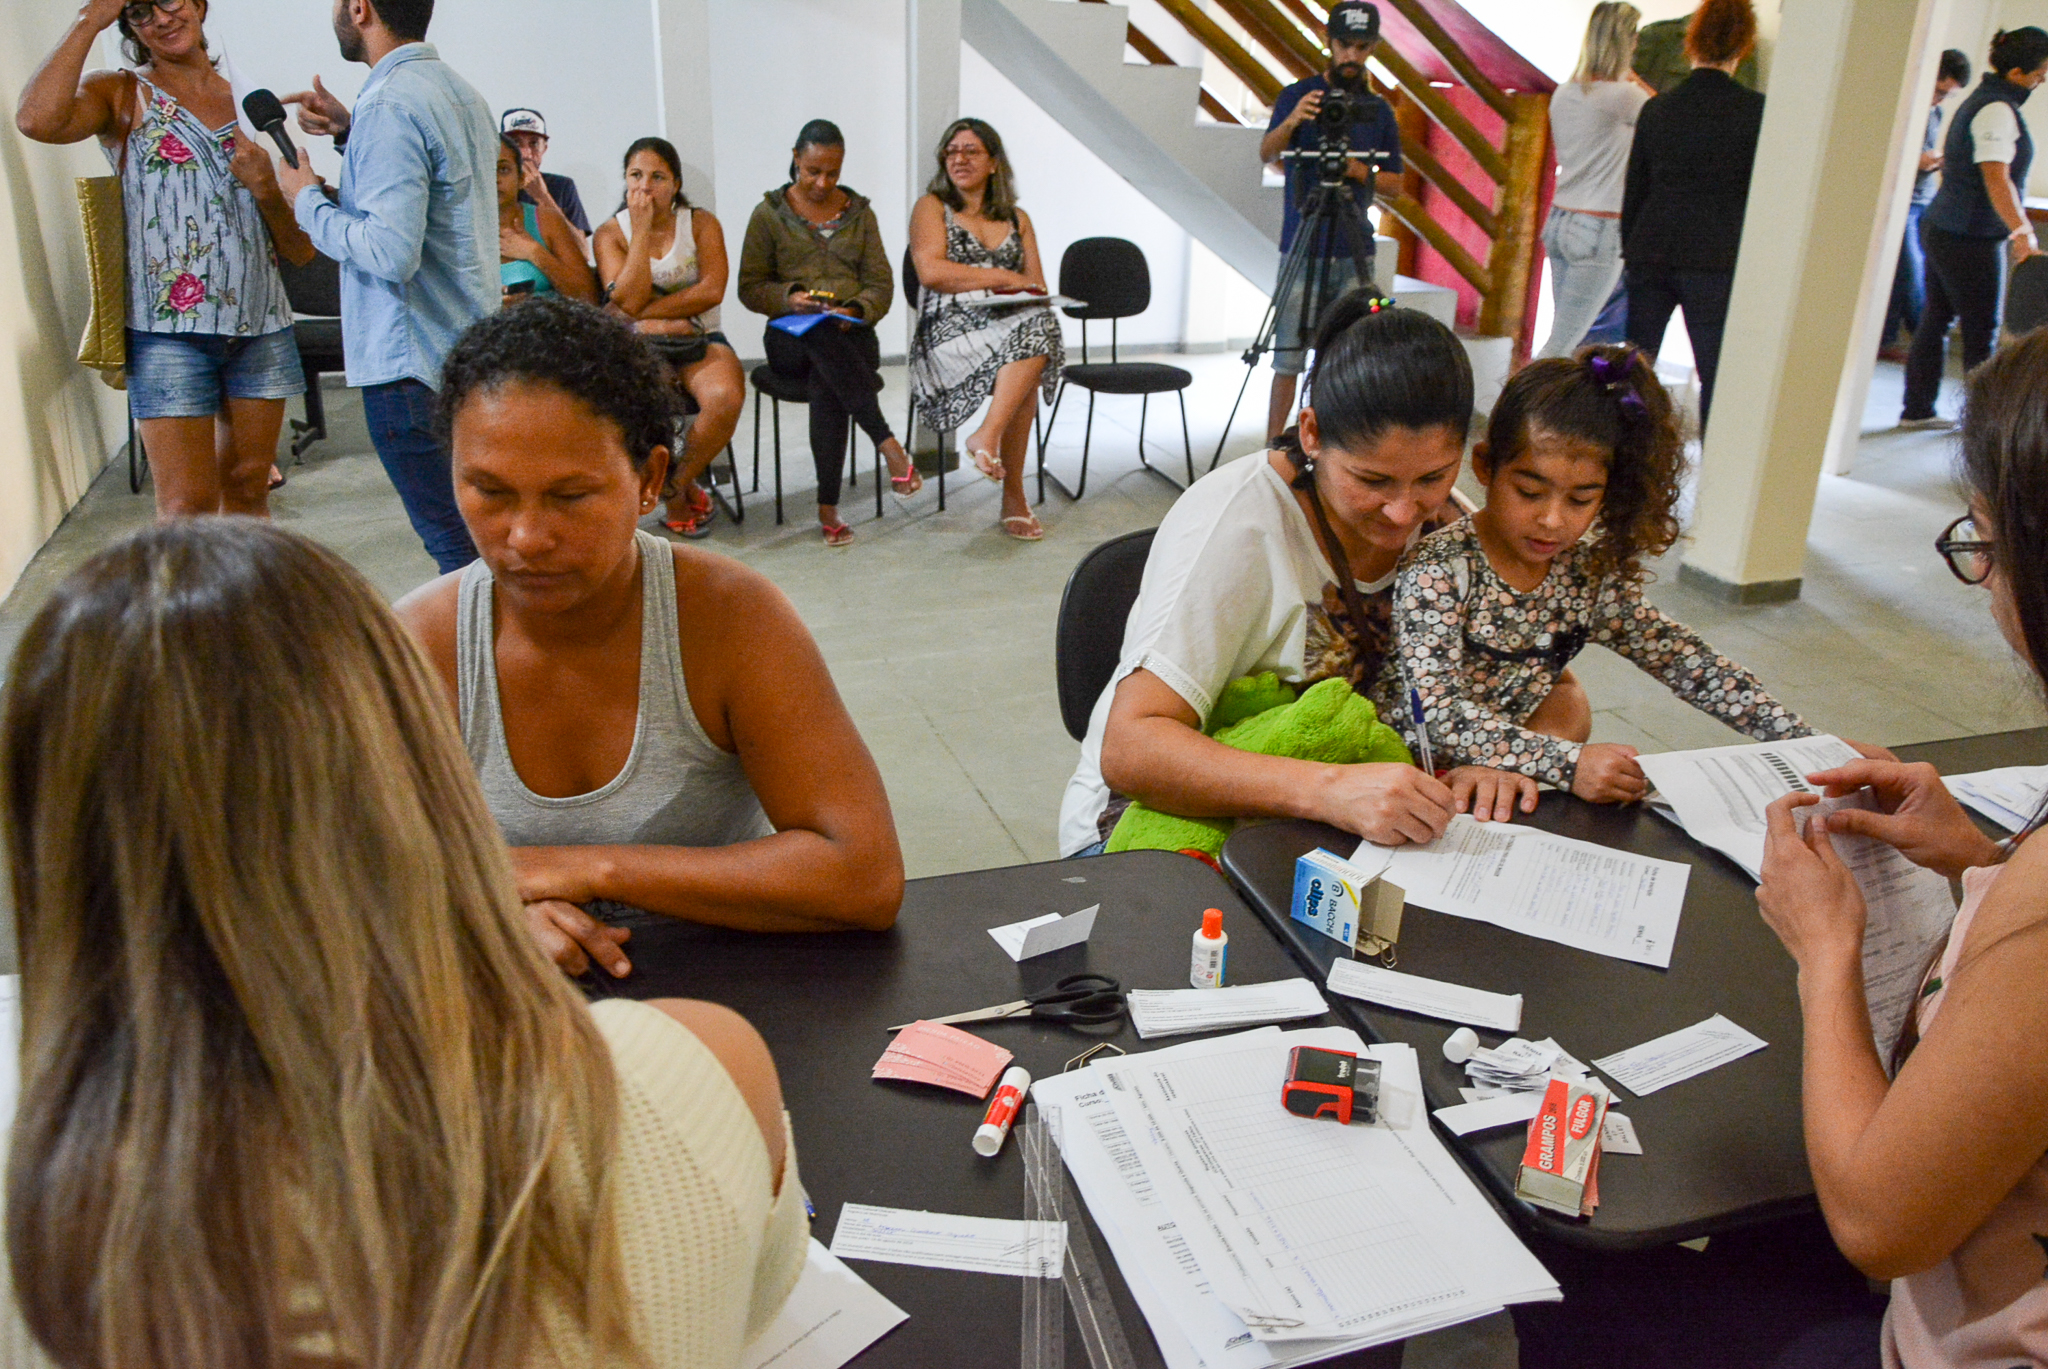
[(105, 344)]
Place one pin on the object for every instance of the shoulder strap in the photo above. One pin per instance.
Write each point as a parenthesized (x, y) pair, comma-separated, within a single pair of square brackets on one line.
[(124, 115), (1347, 584)]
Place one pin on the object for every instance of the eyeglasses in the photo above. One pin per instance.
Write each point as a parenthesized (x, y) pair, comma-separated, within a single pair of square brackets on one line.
[(1965, 549), (142, 11), (970, 151)]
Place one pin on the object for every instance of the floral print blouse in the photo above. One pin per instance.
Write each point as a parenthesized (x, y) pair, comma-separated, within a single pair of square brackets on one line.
[(199, 254), (1483, 656)]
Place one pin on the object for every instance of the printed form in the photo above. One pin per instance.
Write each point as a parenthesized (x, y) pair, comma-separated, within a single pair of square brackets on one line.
[(1719, 794), (945, 1240), (1573, 892)]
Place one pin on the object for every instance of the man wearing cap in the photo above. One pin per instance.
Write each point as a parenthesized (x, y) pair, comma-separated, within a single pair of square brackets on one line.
[(529, 133), (1354, 30)]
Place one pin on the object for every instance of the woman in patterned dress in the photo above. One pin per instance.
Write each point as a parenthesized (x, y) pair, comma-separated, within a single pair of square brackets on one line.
[(967, 235), (211, 357)]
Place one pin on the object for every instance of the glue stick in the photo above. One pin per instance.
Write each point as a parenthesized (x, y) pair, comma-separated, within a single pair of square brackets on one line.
[(1212, 948), (1002, 1111)]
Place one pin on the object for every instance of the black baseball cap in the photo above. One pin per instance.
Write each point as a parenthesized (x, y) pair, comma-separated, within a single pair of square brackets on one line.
[(1354, 21)]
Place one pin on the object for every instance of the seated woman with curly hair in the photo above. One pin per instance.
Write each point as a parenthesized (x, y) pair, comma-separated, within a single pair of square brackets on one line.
[(655, 730)]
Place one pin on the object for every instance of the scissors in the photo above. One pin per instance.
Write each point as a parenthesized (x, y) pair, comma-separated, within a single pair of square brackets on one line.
[(1089, 1000)]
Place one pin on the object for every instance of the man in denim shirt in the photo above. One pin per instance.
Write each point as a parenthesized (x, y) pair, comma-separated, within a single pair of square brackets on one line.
[(416, 232)]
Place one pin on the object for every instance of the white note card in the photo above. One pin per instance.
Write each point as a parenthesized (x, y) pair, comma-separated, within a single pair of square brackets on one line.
[(1429, 997), (945, 1240), (1576, 893), (1174, 1012), (1680, 1055), (1039, 935), (831, 1316), (1618, 1136), (1488, 1113)]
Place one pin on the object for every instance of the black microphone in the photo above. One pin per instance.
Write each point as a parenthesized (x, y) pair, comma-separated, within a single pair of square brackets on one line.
[(267, 113)]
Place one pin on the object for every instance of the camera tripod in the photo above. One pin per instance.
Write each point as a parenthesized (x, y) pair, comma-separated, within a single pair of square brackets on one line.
[(1331, 217)]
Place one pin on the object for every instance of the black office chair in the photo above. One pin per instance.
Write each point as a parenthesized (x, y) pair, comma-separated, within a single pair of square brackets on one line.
[(781, 390), (1090, 634), (314, 291), (1111, 275), (673, 351)]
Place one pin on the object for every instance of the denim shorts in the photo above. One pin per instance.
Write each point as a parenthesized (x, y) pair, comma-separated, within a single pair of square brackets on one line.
[(193, 375), (1289, 359)]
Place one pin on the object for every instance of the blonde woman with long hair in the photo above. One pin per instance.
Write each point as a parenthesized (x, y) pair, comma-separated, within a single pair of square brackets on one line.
[(297, 1084), (1592, 124)]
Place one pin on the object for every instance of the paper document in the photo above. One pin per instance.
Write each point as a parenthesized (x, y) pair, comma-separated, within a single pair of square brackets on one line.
[(796, 325), (1909, 910), (1429, 997), (932, 1053), (1175, 1012), (2009, 796), (1720, 793), (1512, 1109), (1679, 1056), (1041, 935), (1618, 1136), (1593, 897), (831, 1316), (944, 1240), (1308, 1231)]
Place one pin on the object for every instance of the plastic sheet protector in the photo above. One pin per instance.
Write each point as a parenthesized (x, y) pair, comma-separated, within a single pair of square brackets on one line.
[(1251, 1237)]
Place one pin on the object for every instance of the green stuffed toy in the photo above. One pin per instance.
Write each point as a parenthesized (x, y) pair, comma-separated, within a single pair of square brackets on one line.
[(1329, 723)]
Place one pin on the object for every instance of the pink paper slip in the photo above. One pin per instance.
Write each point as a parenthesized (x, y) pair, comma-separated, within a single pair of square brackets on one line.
[(929, 1053)]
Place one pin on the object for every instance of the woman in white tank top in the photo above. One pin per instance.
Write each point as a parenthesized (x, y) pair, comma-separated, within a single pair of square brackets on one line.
[(1936, 1179), (663, 266), (655, 730)]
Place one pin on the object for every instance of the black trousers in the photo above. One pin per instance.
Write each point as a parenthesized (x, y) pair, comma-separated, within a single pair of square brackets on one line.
[(1964, 278), (840, 365), (1654, 291)]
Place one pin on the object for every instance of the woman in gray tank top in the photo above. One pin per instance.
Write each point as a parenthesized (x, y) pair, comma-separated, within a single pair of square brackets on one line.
[(654, 729)]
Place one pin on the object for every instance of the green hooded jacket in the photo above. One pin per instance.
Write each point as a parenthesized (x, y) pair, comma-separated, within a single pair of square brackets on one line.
[(784, 252)]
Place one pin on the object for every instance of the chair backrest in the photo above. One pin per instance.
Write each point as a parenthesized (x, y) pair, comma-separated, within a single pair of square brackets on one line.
[(315, 288), (1110, 274), (1090, 634), (911, 288)]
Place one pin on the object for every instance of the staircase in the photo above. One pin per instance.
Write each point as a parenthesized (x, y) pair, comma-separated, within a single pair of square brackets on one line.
[(1473, 117)]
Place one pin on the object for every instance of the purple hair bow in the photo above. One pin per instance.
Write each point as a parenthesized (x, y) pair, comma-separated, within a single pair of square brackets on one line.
[(1611, 371)]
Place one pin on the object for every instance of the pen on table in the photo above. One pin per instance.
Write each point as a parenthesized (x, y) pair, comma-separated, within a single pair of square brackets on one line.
[(1421, 731)]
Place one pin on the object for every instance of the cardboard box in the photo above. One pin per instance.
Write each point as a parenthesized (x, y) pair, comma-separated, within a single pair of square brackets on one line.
[(1563, 1153), (1345, 903)]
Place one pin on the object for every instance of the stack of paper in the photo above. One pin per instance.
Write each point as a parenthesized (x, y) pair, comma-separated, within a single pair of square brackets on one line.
[(1593, 897), (931, 1053), (1176, 1012), (1518, 1066), (2009, 796), (1251, 1237)]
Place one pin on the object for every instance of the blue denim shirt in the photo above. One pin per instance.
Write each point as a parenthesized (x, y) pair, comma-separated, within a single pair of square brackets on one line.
[(416, 228)]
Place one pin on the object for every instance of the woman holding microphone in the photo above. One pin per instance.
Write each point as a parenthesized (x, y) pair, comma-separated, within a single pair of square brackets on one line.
[(211, 359)]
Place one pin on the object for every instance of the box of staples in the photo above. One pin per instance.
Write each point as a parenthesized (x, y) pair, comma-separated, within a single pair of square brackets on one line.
[(1561, 1163), (1327, 893)]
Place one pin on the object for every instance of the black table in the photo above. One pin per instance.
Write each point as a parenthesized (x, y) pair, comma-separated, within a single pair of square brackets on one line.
[(1722, 1150), (822, 1001)]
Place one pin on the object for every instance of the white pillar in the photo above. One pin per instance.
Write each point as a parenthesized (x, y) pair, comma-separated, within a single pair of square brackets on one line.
[(1819, 196), (931, 47), (682, 68)]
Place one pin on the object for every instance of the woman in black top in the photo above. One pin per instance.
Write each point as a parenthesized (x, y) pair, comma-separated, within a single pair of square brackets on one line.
[(1688, 185), (1977, 210)]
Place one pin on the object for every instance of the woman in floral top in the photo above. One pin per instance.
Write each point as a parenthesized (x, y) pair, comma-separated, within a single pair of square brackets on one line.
[(211, 357), (1491, 610)]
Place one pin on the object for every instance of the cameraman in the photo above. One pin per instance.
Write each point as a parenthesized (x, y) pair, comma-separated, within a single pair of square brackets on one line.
[(1354, 30)]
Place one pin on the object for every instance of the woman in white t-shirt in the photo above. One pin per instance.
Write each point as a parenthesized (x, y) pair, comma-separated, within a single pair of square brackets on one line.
[(1592, 124), (1284, 562)]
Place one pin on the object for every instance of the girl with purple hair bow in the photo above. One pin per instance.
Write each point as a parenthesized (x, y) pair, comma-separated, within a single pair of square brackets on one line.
[(1582, 464)]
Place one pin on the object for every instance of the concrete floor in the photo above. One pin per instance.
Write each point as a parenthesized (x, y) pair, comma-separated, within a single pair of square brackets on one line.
[(939, 629)]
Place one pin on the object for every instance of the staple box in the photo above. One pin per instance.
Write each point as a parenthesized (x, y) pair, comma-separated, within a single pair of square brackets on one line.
[(1343, 902), (1562, 1159)]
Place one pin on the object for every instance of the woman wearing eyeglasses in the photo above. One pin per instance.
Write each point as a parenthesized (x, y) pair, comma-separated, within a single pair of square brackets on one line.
[(211, 358), (1934, 1178)]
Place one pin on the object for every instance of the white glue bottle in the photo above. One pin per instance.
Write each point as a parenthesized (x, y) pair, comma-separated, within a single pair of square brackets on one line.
[(1212, 948)]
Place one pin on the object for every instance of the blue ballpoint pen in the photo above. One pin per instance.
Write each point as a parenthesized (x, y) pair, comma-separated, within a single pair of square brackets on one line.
[(1421, 730)]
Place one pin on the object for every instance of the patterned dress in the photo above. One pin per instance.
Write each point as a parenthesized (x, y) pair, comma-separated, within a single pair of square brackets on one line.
[(1484, 656), (959, 347), (199, 254)]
